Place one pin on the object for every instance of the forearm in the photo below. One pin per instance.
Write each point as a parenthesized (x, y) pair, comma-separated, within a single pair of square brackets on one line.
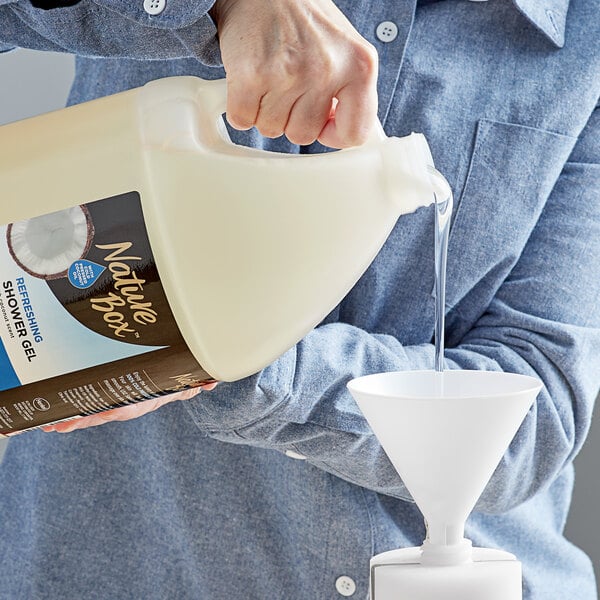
[(300, 404)]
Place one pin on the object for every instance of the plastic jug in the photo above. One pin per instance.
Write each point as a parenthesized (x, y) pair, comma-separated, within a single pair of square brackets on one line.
[(145, 253)]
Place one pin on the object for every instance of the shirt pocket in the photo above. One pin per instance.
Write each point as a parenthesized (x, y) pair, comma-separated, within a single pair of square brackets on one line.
[(512, 171)]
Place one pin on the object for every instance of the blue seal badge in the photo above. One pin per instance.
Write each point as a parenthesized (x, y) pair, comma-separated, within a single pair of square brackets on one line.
[(84, 273)]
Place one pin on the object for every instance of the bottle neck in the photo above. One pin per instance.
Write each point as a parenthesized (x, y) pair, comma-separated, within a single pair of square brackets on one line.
[(457, 553), (446, 545)]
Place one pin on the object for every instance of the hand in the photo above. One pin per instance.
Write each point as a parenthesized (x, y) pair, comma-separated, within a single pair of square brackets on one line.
[(297, 67), (125, 413)]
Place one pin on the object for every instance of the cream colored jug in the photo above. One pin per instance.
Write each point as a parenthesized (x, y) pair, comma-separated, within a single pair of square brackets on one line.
[(252, 248)]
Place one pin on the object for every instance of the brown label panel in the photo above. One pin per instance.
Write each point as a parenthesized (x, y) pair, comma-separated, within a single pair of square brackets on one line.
[(100, 388), (112, 287)]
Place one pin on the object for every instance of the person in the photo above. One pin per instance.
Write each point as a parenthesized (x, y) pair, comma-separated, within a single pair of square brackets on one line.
[(274, 486)]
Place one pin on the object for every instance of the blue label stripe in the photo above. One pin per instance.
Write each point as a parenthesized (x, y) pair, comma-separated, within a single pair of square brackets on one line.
[(8, 377)]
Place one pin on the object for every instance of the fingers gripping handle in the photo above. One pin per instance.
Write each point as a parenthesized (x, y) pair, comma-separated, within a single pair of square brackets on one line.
[(212, 99), (184, 113)]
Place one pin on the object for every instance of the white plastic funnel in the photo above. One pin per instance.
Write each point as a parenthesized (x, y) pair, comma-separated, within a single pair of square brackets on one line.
[(445, 433)]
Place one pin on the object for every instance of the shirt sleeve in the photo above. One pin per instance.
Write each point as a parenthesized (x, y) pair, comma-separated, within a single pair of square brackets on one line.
[(543, 321), (114, 29)]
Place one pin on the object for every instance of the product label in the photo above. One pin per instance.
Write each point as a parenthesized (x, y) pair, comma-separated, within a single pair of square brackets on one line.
[(84, 321)]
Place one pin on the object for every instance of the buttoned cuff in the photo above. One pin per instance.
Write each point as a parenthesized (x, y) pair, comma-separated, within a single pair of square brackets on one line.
[(162, 14), (189, 20), (232, 406), (116, 29)]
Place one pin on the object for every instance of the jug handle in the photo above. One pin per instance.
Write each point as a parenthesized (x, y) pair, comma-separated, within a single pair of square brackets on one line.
[(212, 99), (185, 112)]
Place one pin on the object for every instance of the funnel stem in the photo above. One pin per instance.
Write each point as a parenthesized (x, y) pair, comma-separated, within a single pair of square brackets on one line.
[(446, 535)]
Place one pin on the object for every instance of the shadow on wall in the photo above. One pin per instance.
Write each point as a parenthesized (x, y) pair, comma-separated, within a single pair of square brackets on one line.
[(33, 83)]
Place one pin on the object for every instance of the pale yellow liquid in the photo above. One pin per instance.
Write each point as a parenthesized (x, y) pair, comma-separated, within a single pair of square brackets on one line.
[(253, 249), (69, 157)]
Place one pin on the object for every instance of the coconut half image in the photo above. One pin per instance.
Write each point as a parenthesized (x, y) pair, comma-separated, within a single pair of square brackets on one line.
[(46, 246)]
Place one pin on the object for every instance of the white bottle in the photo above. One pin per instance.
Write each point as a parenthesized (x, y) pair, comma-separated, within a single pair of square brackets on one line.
[(485, 574), (166, 255)]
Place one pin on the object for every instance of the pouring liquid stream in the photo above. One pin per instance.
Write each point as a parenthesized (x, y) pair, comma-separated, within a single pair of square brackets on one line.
[(443, 211)]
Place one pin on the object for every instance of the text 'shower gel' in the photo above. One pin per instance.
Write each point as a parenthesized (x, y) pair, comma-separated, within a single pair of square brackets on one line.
[(143, 252)]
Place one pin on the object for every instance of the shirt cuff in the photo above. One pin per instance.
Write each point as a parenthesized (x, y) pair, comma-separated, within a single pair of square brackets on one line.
[(116, 29), (174, 14), (232, 406)]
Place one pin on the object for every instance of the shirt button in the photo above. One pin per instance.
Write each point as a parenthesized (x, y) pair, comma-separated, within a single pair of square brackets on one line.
[(154, 7), (345, 585), (387, 31), (295, 455)]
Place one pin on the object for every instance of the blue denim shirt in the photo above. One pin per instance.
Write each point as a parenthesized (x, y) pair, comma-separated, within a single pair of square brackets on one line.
[(274, 487)]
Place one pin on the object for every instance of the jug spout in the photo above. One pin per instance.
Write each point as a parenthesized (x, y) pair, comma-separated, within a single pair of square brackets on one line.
[(412, 179)]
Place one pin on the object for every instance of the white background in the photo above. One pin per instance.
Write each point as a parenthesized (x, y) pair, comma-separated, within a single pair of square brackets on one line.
[(35, 82)]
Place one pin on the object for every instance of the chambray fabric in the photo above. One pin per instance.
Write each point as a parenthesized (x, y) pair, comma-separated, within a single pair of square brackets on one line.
[(199, 500)]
